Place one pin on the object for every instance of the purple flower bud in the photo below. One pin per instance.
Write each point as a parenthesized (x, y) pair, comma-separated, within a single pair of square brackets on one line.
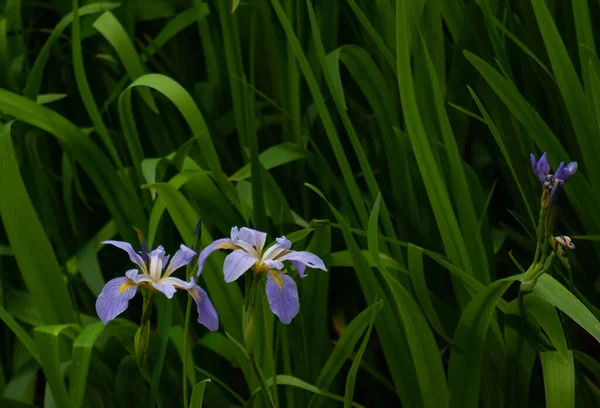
[(564, 173), (541, 168)]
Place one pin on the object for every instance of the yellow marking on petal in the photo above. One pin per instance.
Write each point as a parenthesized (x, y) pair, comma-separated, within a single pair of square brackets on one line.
[(227, 245), (127, 285), (194, 293), (278, 280)]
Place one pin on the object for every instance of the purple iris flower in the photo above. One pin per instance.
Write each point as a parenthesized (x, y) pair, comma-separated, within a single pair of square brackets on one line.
[(248, 248), (116, 294), (541, 168), (563, 174)]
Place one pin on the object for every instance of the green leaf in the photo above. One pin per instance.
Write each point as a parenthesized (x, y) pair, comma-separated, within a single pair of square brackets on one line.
[(390, 333), (559, 379), (82, 353), (421, 343), (48, 98), (548, 318), (351, 378), (20, 333), (435, 184), (342, 351), (272, 157), (108, 25), (570, 88), (42, 273), (34, 81), (556, 294), (198, 394), (417, 276), (466, 360), (48, 341), (298, 383)]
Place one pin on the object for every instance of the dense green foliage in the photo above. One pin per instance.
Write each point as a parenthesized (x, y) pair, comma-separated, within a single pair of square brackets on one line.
[(389, 137)]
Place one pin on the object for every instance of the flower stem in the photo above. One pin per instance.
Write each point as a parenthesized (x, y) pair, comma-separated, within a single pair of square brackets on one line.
[(186, 334), (260, 378)]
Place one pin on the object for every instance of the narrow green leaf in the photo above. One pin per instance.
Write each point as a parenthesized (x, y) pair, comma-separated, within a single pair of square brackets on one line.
[(351, 378), (20, 333), (559, 379), (417, 276), (569, 85), (198, 394), (298, 383), (48, 341), (41, 273), (82, 353), (108, 25), (342, 351), (548, 318), (49, 98), (421, 343), (466, 360), (556, 294), (272, 157)]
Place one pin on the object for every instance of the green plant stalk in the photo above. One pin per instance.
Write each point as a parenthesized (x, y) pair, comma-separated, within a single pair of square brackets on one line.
[(188, 312), (248, 328), (141, 344)]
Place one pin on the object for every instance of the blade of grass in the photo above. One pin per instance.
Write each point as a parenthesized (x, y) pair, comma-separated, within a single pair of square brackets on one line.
[(559, 379), (41, 273)]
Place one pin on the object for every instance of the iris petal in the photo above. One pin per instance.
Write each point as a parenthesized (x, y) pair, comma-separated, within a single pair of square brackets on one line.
[(207, 314), (181, 258), (253, 237), (282, 294), (114, 298), (304, 258), (133, 256), (236, 263), (218, 244)]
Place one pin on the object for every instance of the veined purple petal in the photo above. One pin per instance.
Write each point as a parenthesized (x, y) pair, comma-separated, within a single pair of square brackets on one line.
[(284, 242), (236, 263), (253, 237), (181, 258), (300, 267), (133, 256), (165, 288), (207, 314), (114, 298), (305, 258), (282, 294), (223, 243)]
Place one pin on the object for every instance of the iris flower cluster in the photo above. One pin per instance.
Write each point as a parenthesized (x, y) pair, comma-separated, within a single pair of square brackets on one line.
[(249, 252)]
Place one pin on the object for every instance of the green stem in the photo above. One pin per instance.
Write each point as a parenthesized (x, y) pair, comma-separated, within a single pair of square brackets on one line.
[(259, 376), (186, 334)]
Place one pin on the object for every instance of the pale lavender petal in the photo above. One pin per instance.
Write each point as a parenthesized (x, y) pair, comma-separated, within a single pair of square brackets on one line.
[(303, 257), (282, 294), (114, 298), (275, 264), (166, 289), (234, 233), (281, 244), (284, 242), (181, 258), (253, 237), (223, 243), (155, 266), (300, 267), (207, 314), (133, 256), (137, 277), (236, 263)]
